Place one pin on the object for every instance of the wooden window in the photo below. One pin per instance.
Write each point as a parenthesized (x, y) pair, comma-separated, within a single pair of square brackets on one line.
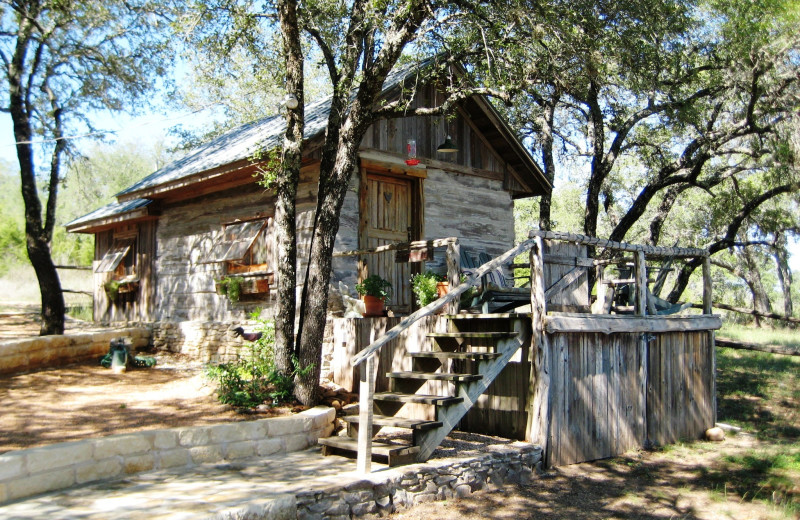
[(244, 247), (120, 260)]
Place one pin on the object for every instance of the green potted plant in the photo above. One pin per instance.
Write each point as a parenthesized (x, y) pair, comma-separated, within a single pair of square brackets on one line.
[(221, 286), (230, 286), (374, 290), (112, 289), (425, 287)]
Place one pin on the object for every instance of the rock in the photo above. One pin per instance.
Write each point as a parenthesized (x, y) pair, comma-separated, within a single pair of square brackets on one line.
[(715, 434)]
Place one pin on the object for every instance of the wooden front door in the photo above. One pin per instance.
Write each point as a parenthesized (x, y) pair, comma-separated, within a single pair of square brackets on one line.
[(389, 221)]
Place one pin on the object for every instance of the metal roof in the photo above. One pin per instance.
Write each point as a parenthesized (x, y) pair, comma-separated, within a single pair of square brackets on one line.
[(110, 210)]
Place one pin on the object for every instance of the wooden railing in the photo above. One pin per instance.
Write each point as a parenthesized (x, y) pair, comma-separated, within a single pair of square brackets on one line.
[(538, 409)]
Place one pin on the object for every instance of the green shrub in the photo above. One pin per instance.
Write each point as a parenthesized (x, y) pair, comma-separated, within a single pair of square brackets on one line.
[(253, 380), (423, 285)]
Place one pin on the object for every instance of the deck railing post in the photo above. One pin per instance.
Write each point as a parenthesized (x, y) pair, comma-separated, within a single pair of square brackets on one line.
[(366, 391), (707, 297), (539, 380), (453, 272), (640, 274)]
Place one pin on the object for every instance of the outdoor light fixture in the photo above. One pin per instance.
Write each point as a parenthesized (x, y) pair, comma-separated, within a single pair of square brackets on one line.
[(447, 146), (411, 153), (290, 100)]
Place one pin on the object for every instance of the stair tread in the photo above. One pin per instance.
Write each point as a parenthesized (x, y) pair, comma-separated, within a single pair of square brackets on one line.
[(417, 398), (435, 376), (397, 422), (379, 447), (476, 335), (490, 316), (456, 355)]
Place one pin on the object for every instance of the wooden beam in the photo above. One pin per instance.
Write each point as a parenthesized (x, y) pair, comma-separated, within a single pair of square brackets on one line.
[(707, 286), (772, 349), (620, 324), (640, 274), (417, 244), (538, 398), (742, 310), (678, 252), (453, 256), (568, 260), (572, 276)]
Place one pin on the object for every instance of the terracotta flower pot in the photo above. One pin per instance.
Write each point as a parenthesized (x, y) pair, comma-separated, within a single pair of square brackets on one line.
[(373, 306), (442, 288)]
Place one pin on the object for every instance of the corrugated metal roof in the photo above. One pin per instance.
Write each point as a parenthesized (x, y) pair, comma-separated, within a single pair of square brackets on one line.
[(241, 142), (110, 210)]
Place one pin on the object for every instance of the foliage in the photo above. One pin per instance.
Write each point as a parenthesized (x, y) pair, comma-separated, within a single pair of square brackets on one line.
[(374, 285), (231, 286), (112, 289), (423, 285), (254, 379)]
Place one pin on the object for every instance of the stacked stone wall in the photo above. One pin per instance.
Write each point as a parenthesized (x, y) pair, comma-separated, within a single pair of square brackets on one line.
[(23, 355)]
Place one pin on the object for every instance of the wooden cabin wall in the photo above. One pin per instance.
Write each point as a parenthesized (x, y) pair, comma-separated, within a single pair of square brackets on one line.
[(477, 210), (140, 308), (186, 233), (391, 135)]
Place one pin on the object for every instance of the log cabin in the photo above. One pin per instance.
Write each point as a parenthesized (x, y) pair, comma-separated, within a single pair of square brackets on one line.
[(160, 247)]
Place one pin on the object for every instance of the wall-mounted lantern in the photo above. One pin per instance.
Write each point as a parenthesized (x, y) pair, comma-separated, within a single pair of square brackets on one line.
[(447, 146)]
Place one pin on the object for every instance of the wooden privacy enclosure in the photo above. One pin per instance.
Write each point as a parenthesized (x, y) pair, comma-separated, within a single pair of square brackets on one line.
[(583, 385)]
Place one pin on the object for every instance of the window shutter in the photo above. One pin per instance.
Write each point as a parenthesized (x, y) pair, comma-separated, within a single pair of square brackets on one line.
[(236, 241), (113, 257)]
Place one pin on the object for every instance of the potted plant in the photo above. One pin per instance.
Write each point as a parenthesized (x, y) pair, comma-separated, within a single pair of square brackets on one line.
[(374, 290), (112, 289), (230, 286), (221, 286), (425, 287)]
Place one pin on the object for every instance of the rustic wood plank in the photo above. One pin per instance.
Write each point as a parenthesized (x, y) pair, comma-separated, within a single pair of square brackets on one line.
[(609, 324), (743, 345), (539, 382), (676, 252), (707, 286), (565, 281)]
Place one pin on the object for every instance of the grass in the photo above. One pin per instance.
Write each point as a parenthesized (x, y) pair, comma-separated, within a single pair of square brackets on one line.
[(760, 392), (779, 336)]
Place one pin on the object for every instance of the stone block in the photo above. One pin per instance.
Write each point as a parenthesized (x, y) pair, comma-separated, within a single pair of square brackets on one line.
[(203, 454), (320, 415), (364, 508), (296, 442), (99, 470), (57, 456), (422, 498), (281, 426), (174, 458), (139, 463), (10, 364), (196, 436), (3, 493), (41, 483), (463, 490), (11, 465), (165, 439), (240, 450), (270, 446), (121, 445), (223, 433), (254, 430)]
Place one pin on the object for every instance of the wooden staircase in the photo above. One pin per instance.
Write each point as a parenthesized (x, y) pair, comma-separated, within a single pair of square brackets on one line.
[(448, 378)]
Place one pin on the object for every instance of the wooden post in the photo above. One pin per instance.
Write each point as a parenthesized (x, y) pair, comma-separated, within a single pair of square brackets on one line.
[(708, 300), (366, 390), (640, 275), (453, 256), (539, 380), (600, 303)]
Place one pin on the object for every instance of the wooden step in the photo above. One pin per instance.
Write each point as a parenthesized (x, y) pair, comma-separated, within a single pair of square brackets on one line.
[(397, 397), (473, 335), (396, 422), (436, 376), (395, 454), (456, 355), (489, 316)]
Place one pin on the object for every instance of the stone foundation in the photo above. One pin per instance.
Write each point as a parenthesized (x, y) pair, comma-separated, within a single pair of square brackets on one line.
[(206, 341)]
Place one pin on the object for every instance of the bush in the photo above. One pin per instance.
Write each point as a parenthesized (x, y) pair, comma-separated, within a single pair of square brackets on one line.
[(254, 380), (423, 285)]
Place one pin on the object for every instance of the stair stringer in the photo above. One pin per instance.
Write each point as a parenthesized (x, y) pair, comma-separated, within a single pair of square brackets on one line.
[(450, 416)]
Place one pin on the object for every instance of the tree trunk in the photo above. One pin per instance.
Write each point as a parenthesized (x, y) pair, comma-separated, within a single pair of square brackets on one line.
[(286, 190), (600, 169), (545, 203), (784, 273), (752, 276)]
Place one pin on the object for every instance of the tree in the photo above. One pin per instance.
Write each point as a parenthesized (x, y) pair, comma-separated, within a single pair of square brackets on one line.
[(64, 60)]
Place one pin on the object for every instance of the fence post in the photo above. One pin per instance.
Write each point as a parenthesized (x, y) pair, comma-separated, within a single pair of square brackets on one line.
[(640, 274), (539, 356), (366, 390), (453, 256)]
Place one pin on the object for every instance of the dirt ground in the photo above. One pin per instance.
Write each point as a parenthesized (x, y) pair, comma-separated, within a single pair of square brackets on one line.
[(678, 483)]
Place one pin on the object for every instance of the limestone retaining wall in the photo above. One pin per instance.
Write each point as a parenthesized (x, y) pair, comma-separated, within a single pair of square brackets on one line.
[(29, 472), (22, 355)]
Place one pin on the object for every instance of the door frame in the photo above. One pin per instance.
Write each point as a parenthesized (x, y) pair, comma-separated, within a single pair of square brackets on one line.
[(417, 216)]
